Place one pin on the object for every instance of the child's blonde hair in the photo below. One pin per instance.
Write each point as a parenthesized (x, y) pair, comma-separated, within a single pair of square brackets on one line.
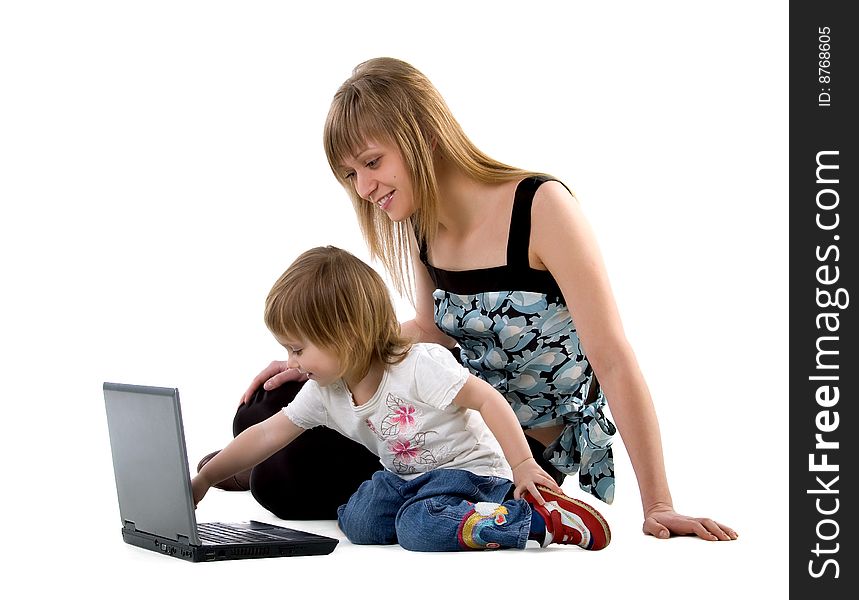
[(336, 301), (388, 100)]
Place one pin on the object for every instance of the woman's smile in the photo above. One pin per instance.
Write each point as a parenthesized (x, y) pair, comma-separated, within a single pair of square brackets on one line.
[(385, 201)]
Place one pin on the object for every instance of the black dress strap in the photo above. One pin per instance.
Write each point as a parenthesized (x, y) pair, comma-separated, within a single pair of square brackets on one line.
[(519, 237)]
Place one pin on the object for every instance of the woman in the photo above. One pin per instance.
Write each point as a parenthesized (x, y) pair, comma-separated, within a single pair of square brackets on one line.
[(503, 263)]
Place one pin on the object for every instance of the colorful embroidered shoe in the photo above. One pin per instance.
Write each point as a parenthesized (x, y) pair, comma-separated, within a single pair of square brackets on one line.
[(570, 521)]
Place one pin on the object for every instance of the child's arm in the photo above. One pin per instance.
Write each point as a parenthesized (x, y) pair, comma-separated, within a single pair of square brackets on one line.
[(499, 417), (251, 447)]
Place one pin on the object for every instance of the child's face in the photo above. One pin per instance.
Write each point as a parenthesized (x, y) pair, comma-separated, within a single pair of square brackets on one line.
[(380, 176), (320, 365)]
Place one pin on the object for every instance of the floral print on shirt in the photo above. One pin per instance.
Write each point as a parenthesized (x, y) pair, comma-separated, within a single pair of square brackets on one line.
[(399, 431)]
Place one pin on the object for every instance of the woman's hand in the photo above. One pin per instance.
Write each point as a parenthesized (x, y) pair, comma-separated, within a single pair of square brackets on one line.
[(662, 522), (526, 476), (273, 376)]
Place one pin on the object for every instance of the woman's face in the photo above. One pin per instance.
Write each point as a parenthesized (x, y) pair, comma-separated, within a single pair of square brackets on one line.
[(380, 177)]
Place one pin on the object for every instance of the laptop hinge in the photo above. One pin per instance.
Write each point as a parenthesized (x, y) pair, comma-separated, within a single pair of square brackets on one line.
[(182, 539), (129, 526)]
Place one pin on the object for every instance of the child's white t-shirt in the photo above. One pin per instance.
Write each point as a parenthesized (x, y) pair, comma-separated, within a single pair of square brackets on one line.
[(410, 422)]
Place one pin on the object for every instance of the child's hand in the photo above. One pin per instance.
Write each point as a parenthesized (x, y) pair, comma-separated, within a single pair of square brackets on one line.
[(199, 487), (526, 476)]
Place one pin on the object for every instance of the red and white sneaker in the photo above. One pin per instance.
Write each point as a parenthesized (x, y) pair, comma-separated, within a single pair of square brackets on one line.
[(570, 521)]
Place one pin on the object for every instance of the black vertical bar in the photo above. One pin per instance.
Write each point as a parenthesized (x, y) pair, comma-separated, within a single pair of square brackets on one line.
[(824, 364)]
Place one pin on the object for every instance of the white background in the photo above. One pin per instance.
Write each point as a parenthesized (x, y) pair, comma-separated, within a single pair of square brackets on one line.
[(161, 164)]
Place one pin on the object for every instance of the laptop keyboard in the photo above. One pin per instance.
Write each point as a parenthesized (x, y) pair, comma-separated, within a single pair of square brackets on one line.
[(223, 533)]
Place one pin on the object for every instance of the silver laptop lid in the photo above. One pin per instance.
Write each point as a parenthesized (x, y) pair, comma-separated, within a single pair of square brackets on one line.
[(150, 461)]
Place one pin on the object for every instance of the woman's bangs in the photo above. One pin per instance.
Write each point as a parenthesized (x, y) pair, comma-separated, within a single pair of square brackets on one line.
[(347, 132)]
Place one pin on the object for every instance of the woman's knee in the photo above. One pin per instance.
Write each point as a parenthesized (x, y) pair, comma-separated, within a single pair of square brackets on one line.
[(264, 404)]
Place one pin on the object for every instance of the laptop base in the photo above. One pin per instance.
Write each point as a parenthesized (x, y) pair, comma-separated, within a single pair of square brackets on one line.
[(215, 552)]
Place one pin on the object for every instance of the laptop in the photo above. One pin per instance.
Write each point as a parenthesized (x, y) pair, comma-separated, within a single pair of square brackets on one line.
[(153, 484)]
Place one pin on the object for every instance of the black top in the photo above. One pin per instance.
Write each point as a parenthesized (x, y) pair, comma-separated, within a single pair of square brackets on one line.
[(517, 274)]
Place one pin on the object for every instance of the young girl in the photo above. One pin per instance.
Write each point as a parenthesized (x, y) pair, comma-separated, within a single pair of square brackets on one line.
[(445, 485), (506, 272)]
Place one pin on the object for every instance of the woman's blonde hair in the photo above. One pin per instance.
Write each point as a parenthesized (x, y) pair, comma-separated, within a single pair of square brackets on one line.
[(335, 301), (388, 100)]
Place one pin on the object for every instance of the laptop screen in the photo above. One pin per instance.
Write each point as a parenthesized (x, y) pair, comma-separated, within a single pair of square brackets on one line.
[(150, 461)]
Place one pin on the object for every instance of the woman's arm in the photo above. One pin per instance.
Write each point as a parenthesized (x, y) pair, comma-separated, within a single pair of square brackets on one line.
[(478, 395), (248, 449), (563, 243)]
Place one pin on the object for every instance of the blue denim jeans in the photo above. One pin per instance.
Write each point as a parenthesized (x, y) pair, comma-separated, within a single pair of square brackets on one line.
[(443, 510)]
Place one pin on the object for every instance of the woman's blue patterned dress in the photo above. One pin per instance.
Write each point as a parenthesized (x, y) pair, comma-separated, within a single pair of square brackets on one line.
[(515, 332)]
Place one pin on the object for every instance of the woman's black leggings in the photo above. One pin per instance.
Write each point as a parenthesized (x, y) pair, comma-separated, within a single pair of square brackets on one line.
[(320, 469)]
